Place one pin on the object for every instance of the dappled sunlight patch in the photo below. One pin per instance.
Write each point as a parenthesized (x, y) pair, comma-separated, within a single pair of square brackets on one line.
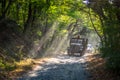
[(24, 62), (33, 74), (56, 66), (21, 67), (38, 67), (34, 65), (26, 65)]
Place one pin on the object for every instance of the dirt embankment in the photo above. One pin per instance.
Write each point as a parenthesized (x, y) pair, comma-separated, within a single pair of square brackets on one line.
[(97, 68)]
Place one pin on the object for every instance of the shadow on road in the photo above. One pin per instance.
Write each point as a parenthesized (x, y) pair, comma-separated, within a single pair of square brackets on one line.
[(59, 68)]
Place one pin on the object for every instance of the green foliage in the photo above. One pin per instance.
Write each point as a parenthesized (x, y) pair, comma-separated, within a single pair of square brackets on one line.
[(2, 65), (109, 25), (6, 66), (32, 23), (10, 67), (36, 17)]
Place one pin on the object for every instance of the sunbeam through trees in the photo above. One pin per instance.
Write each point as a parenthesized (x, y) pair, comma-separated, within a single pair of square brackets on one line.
[(36, 29)]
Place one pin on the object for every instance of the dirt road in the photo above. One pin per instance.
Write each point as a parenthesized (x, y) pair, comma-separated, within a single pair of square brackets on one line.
[(61, 67)]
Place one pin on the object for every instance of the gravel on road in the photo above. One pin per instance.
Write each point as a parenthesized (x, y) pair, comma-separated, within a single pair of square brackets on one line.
[(62, 67)]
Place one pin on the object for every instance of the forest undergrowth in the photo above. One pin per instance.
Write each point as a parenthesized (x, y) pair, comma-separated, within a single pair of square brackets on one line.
[(97, 68)]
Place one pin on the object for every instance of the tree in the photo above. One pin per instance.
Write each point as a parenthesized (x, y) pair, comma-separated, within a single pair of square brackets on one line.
[(109, 17)]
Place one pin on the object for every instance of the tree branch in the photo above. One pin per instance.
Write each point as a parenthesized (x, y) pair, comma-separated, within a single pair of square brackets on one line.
[(95, 29)]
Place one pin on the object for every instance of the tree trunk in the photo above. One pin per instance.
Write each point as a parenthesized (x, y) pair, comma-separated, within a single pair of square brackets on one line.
[(27, 24), (5, 7)]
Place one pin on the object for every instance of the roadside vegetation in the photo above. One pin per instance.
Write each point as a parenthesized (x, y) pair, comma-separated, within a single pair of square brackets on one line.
[(30, 29)]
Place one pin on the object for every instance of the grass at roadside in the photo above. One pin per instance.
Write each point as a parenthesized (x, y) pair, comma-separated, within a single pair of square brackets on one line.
[(21, 67), (24, 66)]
